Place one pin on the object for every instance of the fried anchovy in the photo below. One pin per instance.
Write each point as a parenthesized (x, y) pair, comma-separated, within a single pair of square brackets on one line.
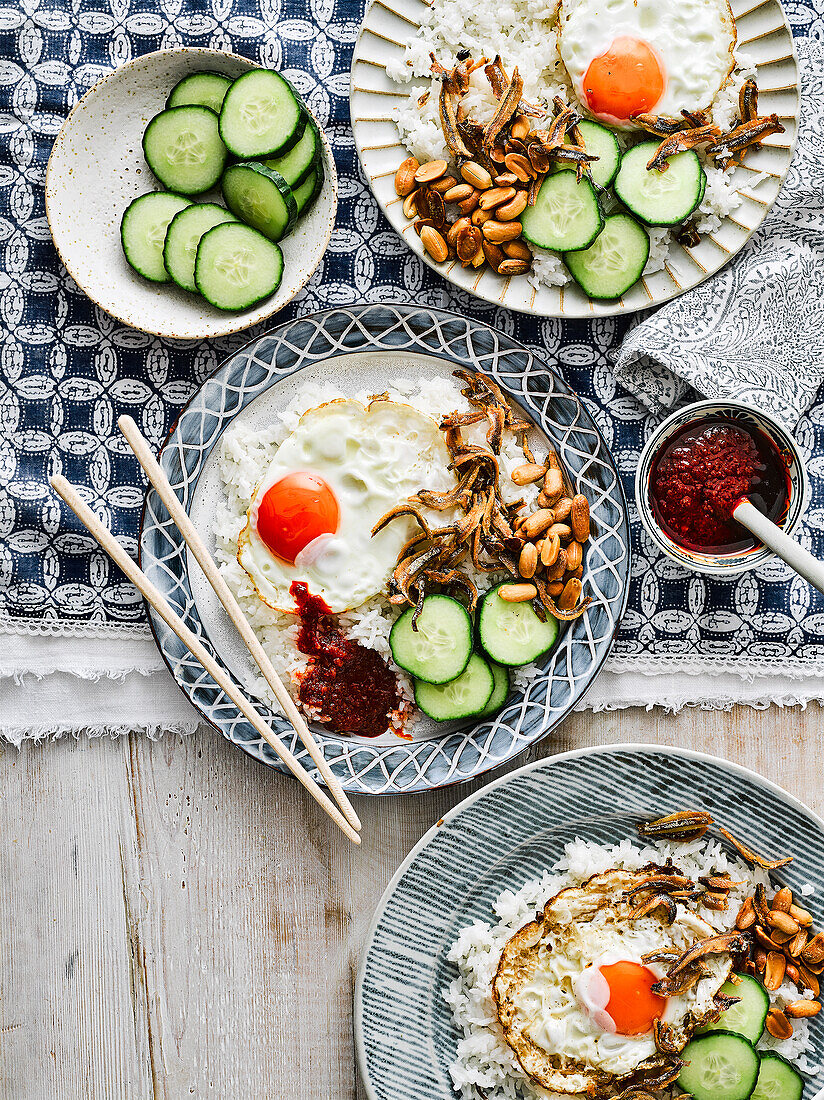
[(650, 904), (678, 143), (449, 124), (725, 942), (661, 884), (675, 987), (682, 825), (748, 100), (407, 508), (695, 118), (752, 857), (664, 1037), (741, 137), (662, 125), (496, 76), (453, 578), (506, 109)]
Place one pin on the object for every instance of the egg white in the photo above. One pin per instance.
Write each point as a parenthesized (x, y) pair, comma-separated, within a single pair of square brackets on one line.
[(372, 458), (694, 41)]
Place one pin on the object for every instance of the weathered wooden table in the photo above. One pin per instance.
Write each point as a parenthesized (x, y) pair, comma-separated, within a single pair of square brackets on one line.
[(177, 921)]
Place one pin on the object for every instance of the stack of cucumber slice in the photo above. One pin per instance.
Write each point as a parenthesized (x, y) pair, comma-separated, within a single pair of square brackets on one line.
[(606, 253), (722, 1062), (454, 678), (229, 255)]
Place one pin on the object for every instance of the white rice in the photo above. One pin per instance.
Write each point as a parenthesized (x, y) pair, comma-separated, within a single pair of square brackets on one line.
[(245, 455), (523, 33), (483, 1060)]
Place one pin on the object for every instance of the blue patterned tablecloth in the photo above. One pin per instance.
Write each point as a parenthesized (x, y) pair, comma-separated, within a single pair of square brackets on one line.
[(67, 370)]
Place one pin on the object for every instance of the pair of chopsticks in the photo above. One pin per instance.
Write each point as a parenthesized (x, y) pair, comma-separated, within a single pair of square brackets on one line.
[(345, 818)]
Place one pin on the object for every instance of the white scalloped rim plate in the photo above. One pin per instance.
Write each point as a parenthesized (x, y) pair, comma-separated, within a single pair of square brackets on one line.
[(764, 38), (101, 141)]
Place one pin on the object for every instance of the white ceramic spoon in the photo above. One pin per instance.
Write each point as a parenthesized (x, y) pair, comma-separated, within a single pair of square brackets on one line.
[(799, 559)]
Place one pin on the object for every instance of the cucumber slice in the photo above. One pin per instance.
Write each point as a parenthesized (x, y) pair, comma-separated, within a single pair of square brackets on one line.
[(660, 198), (309, 190), (260, 198), (183, 149), (777, 1079), (183, 237), (261, 115), (143, 232), (603, 144), (466, 695), (499, 692), (720, 1066), (296, 165), (205, 89), (511, 633), (566, 214), (439, 649), (236, 266), (747, 1017), (610, 266)]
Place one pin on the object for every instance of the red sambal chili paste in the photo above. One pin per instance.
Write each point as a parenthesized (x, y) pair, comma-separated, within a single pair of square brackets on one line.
[(702, 473), (346, 685)]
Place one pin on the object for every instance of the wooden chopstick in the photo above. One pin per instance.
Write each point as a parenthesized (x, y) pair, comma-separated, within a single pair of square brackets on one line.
[(164, 490), (196, 648)]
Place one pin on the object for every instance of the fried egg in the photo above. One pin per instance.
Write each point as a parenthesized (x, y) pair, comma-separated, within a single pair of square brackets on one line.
[(574, 997), (332, 478), (627, 57)]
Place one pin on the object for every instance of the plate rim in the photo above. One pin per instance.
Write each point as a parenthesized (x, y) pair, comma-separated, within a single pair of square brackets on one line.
[(406, 308), (640, 747), (50, 190), (597, 308)]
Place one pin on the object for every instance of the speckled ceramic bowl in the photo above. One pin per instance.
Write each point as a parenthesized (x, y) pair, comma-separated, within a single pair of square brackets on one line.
[(95, 170), (720, 565)]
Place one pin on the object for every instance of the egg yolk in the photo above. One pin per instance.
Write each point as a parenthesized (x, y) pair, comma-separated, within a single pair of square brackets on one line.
[(294, 511), (632, 1004), (624, 81)]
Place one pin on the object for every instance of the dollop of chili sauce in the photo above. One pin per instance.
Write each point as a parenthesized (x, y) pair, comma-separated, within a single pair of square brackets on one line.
[(347, 685), (702, 473)]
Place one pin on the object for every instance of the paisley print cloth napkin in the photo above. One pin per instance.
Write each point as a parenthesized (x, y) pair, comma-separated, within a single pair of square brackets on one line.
[(754, 332)]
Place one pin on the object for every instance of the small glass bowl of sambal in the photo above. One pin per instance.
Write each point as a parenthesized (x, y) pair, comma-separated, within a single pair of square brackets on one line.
[(695, 468)]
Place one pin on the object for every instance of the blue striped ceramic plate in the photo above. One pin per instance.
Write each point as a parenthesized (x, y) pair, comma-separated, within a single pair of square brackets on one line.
[(511, 831)]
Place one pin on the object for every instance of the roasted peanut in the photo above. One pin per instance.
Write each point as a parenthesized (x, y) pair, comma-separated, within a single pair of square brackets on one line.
[(410, 208), (760, 961), (405, 177), (517, 250), (498, 232), (538, 522), (455, 229), (555, 572), (528, 561), (804, 918), (477, 175), (579, 517), (563, 508), (517, 593), (783, 900), (479, 259), (468, 242), (495, 196), (800, 1010), (798, 943), (519, 127), (556, 588), (550, 550), (466, 206), (512, 209), (774, 972), (431, 171), (526, 474), (808, 979), (519, 166), (506, 179), (434, 243), (575, 555), (443, 185), (554, 485), (514, 267), (481, 217), (562, 530), (494, 255), (459, 192), (746, 915), (570, 595), (791, 972), (813, 953), (782, 921), (778, 1025)]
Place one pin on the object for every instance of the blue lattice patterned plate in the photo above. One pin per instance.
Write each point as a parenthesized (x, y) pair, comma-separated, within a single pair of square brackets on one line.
[(368, 345), (513, 830)]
